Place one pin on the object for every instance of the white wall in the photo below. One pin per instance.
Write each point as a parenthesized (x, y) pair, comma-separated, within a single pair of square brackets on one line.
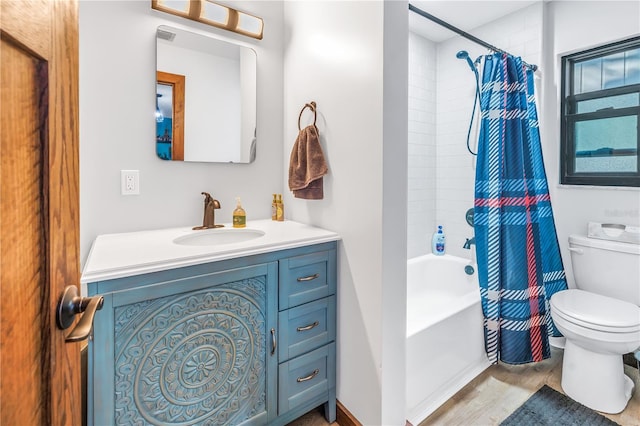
[(572, 26), (394, 212), (350, 57), (117, 100), (421, 217)]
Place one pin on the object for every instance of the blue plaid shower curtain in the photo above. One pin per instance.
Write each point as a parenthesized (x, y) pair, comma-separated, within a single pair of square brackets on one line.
[(519, 263)]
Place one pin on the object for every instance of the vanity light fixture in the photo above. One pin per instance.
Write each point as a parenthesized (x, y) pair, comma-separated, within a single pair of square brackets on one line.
[(214, 14)]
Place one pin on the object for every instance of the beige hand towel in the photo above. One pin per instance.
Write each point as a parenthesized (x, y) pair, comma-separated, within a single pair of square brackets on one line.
[(307, 165)]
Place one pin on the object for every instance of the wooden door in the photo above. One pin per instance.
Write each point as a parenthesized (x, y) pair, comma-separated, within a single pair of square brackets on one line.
[(39, 372)]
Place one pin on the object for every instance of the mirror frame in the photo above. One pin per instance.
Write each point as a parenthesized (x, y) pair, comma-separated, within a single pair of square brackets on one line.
[(177, 124)]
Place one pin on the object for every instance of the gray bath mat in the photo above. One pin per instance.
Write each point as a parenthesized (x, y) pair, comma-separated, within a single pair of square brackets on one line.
[(549, 407)]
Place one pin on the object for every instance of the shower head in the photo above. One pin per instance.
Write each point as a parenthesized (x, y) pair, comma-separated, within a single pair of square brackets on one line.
[(463, 54)]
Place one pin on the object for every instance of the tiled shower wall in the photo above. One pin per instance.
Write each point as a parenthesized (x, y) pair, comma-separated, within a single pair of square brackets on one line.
[(449, 165), (422, 145)]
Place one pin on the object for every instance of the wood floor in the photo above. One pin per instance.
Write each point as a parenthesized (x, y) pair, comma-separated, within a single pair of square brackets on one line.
[(499, 391)]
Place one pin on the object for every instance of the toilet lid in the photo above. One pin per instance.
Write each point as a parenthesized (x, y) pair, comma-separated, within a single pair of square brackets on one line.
[(596, 311)]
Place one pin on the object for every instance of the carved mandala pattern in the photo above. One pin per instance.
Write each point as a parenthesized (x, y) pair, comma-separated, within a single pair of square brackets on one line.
[(193, 358)]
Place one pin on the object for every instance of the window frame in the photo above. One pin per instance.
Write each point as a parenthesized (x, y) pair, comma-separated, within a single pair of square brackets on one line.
[(569, 116)]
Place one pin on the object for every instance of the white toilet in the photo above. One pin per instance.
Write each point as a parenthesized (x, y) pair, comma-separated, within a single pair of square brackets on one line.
[(600, 320)]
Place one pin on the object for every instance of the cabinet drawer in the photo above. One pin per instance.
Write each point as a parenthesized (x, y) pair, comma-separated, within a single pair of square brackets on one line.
[(306, 278), (306, 377), (307, 327)]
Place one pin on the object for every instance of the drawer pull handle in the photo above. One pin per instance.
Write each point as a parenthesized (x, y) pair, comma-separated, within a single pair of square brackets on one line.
[(308, 327), (309, 377), (274, 343), (309, 278)]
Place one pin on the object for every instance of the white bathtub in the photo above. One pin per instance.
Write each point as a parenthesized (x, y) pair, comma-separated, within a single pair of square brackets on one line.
[(445, 344)]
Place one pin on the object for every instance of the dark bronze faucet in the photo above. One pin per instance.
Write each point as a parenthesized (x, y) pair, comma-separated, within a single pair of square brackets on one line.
[(209, 219)]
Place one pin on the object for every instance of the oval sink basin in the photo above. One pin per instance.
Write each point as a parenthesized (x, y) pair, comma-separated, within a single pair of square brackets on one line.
[(215, 237)]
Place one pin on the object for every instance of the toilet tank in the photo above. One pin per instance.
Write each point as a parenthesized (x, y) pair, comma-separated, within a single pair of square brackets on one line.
[(610, 268)]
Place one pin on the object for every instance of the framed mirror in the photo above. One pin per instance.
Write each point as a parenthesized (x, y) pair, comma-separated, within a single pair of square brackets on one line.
[(205, 98)]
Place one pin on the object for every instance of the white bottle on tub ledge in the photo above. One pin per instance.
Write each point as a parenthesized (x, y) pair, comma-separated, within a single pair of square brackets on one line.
[(438, 242)]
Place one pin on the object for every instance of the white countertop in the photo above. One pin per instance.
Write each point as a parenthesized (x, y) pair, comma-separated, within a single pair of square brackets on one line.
[(121, 255)]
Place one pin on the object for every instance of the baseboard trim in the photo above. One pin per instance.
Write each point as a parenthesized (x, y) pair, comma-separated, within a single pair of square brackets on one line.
[(344, 416)]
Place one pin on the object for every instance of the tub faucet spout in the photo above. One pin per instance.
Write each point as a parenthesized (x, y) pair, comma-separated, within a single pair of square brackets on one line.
[(468, 242)]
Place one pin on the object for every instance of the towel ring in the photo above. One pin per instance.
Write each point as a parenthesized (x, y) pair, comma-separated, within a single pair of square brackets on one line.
[(311, 105)]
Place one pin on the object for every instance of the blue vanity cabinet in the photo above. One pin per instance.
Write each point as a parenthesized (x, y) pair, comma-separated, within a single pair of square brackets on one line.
[(210, 343)]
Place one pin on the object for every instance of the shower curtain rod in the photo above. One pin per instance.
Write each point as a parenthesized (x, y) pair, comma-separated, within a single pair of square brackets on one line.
[(463, 33)]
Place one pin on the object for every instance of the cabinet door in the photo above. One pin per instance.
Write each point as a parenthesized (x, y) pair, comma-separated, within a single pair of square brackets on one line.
[(188, 351)]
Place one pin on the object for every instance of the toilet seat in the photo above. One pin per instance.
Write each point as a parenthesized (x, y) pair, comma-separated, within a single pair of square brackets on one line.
[(596, 312)]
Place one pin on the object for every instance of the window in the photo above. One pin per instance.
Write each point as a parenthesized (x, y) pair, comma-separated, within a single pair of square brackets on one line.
[(600, 116)]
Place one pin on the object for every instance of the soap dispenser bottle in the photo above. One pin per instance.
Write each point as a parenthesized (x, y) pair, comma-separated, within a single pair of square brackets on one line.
[(438, 242), (274, 207), (280, 209), (239, 215)]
